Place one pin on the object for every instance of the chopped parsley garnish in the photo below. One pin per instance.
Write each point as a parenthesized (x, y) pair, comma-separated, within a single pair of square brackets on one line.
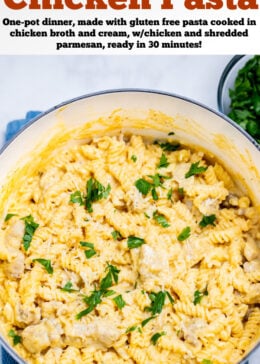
[(134, 158), (198, 295), (9, 216), (170, 297), (95, 191), (68, 288), (206, 361), (145, 322), (77, 197), (134, 242), (119, 301), (116, 235), (157, 302), (111, 276), (169, 147), (184, 234), (195, 169), (169, 194), (130, 329), (143, 186), (160, 219), (92, 301), (30, 227), (96, 296), (16, 338), (207, 220), (163, 161), (86, 244), (108, 293), (46, 264), (89, 252), (171, 133), (146, 215), (157, 336)]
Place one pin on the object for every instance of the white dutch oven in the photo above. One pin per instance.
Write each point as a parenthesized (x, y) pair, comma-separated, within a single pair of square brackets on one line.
[(192, 123)]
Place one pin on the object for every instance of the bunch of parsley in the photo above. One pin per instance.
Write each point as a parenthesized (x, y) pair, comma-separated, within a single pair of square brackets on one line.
[(245, 98)]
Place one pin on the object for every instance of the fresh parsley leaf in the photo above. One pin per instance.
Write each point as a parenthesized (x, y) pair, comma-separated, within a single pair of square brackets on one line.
[(169, 194), (90, 253), (9, 216), (146, 215), (130, 329), (77, 197), (143, 186), (160, 219), (92, 301), (109, 293), (157, 302), (198, 295), (181, 192), (16, 338), (111, 276), (119, 301), (30, 227), (116, 235), (154, 194), (206, 361), (134, 242), (195, 169), (145, 322), (170, 297), (68, 288), (207, 220), (169, 147), (95, 191), (46, 264), (163, 161), (87, 244), (157, 336), (134, 158), (156, 179), (185, 234), (245, 98)]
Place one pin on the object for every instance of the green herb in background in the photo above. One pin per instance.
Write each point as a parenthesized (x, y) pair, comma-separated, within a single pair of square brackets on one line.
[(245, 98)]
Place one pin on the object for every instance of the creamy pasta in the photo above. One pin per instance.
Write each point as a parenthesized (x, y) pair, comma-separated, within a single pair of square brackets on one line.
[(119, 249)]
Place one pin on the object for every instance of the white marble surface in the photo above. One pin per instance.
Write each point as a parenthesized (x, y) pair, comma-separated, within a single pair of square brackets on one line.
[(40, 82)]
